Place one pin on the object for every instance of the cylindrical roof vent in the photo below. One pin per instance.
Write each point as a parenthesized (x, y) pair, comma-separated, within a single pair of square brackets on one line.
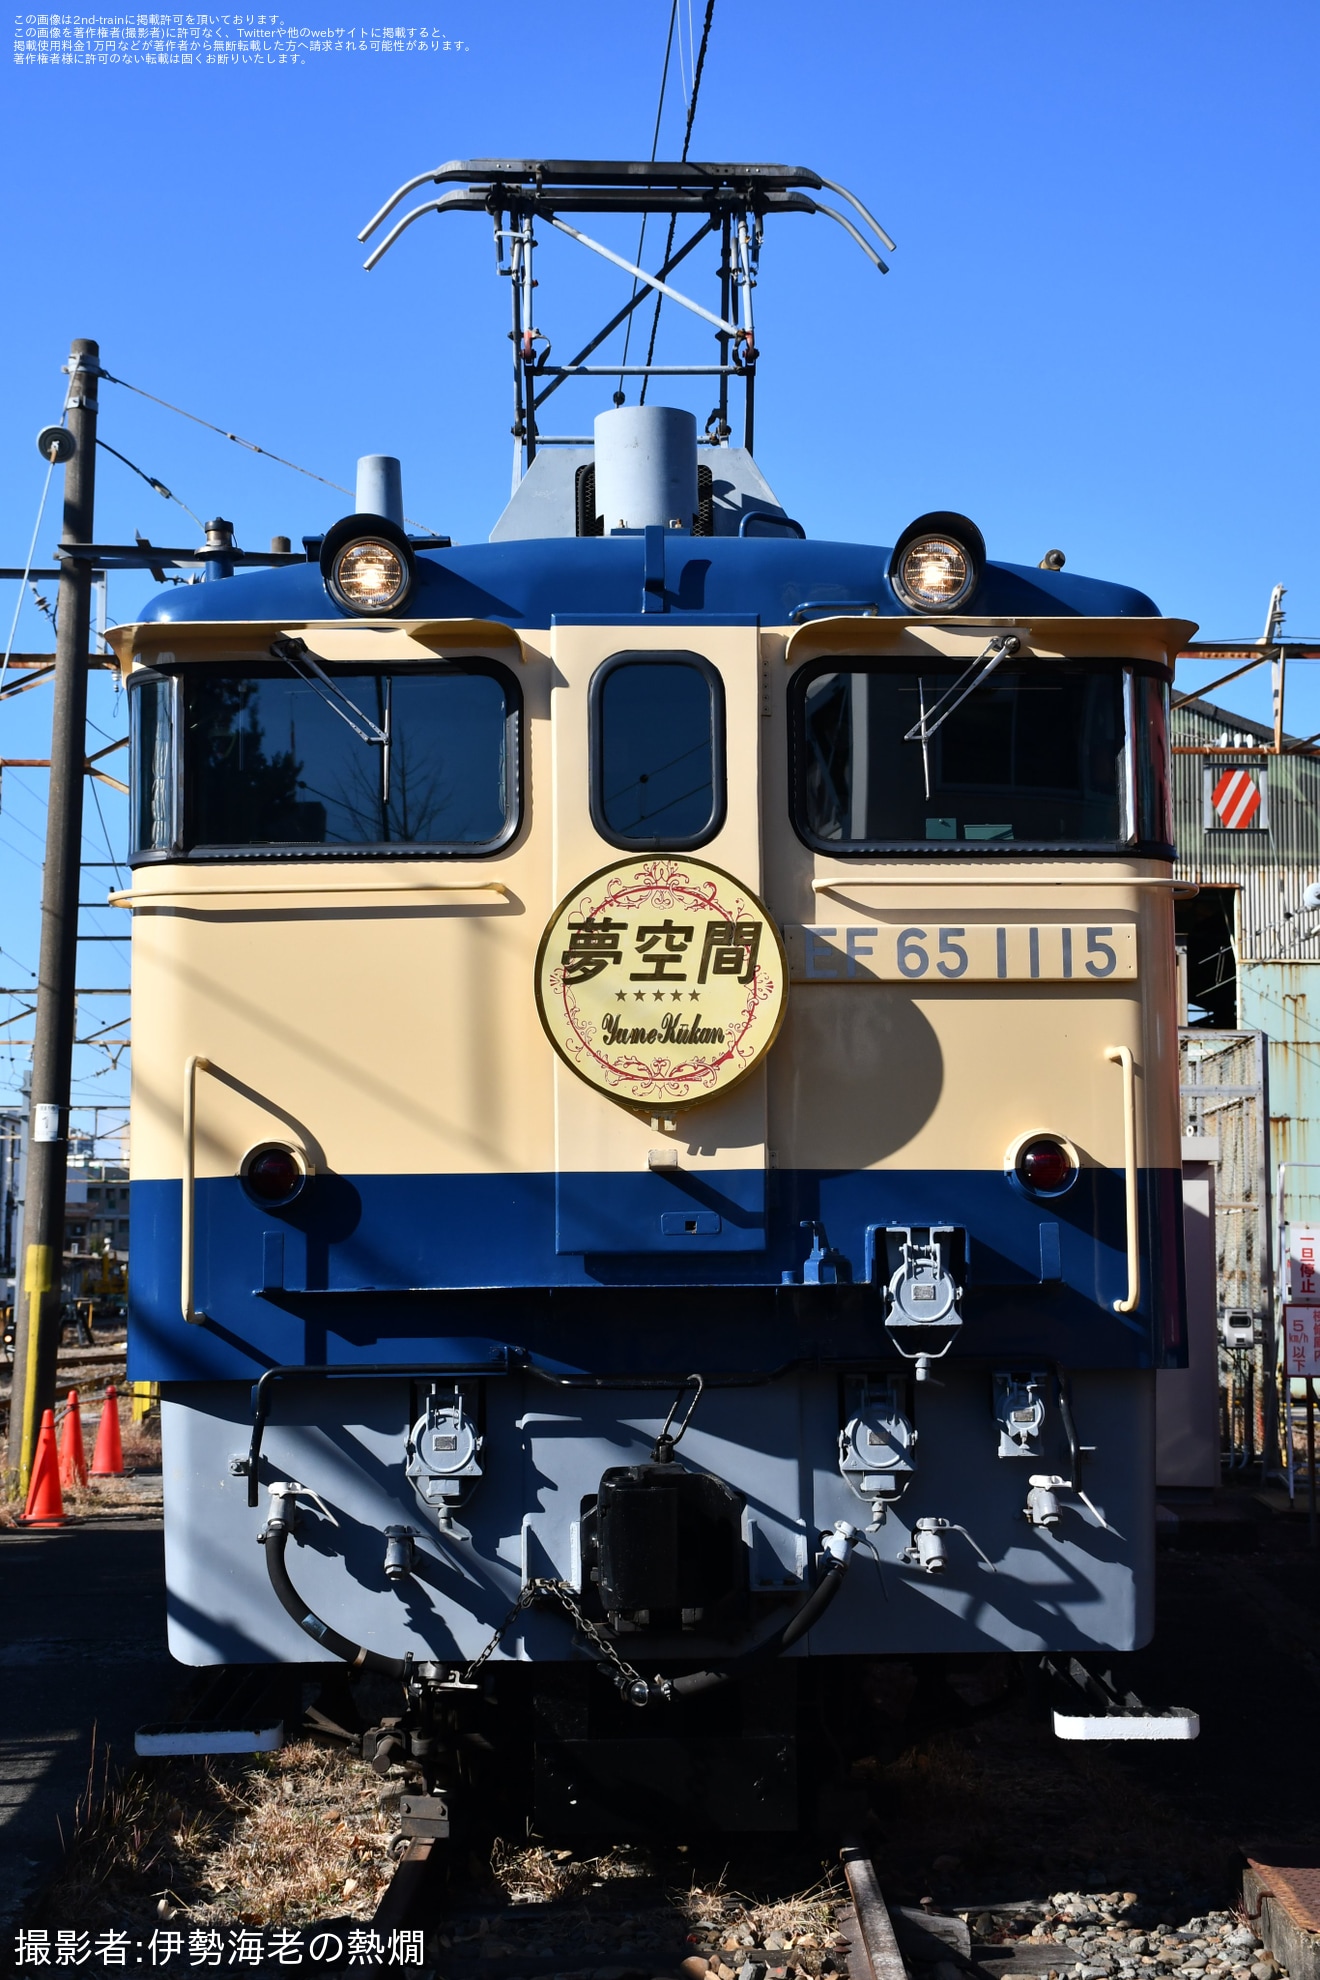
[(646, 468), (380, 487)]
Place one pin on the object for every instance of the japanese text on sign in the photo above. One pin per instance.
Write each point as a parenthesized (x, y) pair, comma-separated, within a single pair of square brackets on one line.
[(662, 982), (1304, 1265), (1301, 1340)]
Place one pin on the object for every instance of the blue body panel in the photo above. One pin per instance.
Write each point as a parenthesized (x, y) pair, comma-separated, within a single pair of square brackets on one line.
[(416, 1267), (532, 582)]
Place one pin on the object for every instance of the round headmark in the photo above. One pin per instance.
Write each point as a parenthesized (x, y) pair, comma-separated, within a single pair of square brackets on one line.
[(661, 982)]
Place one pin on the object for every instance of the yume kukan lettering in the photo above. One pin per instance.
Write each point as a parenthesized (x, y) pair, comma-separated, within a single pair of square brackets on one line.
[(671, 1030)]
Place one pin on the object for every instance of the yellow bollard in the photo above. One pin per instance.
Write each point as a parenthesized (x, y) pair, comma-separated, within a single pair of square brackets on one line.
[(145, 1397)]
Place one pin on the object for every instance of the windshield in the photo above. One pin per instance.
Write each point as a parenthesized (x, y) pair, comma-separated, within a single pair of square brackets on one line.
[(1035, 756), (366, 758)]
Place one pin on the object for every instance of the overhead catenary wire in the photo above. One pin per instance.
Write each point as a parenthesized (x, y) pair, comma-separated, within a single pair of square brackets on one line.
[(32, 551), (687, 140), (281, 460), (655, 144), (151, 481)]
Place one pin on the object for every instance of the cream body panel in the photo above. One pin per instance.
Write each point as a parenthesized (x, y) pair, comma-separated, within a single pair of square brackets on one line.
[(391, 1032), (898, 1076), (593, 1132)]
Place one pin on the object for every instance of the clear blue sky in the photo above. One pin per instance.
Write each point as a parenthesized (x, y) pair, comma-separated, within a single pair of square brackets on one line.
[(1098, 332)]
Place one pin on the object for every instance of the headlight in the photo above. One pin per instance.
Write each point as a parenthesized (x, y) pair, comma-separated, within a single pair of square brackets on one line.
[(367, 564), (937, 562), (935, 571), (370, 575)]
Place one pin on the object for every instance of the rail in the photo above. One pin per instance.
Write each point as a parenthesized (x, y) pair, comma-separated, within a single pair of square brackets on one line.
[(413, 1898), (1120, 1055)]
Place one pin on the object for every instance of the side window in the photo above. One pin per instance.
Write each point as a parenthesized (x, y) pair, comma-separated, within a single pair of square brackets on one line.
[(151, 758), (657, 750), (1154, 796)]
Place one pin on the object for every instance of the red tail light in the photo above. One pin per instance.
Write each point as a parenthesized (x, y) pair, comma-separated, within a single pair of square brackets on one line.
[(1045, 1166), (273, 1174)]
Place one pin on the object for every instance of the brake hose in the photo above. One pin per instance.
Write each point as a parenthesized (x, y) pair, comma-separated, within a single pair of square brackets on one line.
[(276, 1539), (839, 1545)]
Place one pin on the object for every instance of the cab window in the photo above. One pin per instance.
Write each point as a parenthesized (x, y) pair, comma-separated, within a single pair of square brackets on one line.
[(1037, 757), (271, 760), (657, 750)]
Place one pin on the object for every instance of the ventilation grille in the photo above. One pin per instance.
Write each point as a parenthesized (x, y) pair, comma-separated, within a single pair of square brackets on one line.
[(584, 495), (588, 523)]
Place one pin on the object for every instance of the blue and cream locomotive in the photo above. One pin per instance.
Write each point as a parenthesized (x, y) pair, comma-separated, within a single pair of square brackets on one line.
[(655, 1132)]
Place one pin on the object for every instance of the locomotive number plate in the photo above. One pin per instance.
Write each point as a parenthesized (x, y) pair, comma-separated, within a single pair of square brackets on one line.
[(661, 982), (931, 952)]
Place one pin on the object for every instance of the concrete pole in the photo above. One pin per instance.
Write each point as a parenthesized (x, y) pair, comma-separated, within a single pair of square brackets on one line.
[(37, 1291)]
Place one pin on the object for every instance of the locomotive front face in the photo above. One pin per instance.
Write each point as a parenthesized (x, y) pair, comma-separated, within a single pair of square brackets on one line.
[(532, 1023)]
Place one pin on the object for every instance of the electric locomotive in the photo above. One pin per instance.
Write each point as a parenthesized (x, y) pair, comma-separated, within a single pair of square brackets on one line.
[(655, 1133)]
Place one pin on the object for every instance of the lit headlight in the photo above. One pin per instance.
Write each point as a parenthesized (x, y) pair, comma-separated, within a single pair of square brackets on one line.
[(370, 575), (935, 571), (937, 562), (367, 564)]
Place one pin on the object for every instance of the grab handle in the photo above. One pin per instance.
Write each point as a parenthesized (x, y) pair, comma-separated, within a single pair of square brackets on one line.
[(188, 1233), (1120, 1055)]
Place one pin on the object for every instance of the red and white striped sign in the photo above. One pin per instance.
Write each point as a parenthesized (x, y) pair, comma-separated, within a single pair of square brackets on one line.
[(1235, 800)]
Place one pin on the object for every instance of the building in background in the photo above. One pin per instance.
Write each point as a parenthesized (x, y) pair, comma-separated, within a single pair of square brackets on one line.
[(95, 1230), (12, 1124), (1248, 834)]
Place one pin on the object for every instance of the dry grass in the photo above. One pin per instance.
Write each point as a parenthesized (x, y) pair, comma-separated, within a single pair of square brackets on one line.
[(279, 1839), (534, 1874), (806, 1918)]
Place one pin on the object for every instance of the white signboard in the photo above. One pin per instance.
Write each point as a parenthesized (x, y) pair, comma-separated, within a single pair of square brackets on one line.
[(1301, 1340), (1303, 1265)]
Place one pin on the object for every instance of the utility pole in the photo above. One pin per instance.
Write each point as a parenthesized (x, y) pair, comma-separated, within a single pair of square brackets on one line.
[(38, 1282)]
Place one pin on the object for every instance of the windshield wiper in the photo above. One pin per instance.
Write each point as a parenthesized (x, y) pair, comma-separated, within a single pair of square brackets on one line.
[(1002, 647), (296, 654)]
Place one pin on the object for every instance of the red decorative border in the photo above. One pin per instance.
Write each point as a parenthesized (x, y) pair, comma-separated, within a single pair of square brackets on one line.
[(664, 883)]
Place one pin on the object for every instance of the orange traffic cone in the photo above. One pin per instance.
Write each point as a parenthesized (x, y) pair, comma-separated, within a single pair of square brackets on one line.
[(73, 1458), (45, 1507), (108, 1457)]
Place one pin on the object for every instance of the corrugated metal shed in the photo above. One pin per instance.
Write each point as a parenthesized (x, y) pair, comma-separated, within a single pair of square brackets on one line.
[(1271, 865), (1277, 941)]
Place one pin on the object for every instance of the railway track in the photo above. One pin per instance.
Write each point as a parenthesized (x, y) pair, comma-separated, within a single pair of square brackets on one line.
[(862, 1944)]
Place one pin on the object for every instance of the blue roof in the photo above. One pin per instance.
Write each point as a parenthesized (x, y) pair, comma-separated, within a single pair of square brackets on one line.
[(530, 582)]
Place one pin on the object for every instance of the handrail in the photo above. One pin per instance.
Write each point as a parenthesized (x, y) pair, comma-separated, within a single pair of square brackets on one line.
[(835, 608), (1120, 1055), (132, 897), (188, 1221), (835, 881)]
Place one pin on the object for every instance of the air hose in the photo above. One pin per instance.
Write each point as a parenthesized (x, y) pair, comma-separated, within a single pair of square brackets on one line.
[(839, 1545), (276, 1539)]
